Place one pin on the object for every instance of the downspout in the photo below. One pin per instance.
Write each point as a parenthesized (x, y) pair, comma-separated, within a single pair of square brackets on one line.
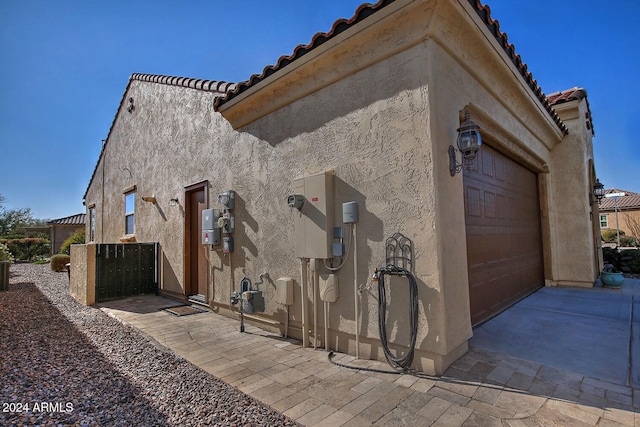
[(356, 294), (303, 289), (326, 326), (314, 289)]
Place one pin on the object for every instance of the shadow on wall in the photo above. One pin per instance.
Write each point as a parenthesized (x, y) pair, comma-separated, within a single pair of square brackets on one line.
[(169, 281), (369, 229), (358, 91)]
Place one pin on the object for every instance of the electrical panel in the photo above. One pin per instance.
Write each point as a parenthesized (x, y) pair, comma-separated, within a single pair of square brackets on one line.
[(349, 212), (284, 291), (209, 218), (211, 237), (314, 221), (328, 288), (210, 231)]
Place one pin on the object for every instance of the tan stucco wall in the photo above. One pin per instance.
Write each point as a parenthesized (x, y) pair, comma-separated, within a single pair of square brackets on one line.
[(572, 215), (83, 273), (382, 122)]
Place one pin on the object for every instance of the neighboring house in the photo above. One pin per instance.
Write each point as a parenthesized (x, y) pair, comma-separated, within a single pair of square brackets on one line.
[(365, 112), (62, 228), (628, 207)]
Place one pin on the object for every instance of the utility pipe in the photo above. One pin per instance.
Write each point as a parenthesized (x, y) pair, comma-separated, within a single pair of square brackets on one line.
[(326, 327), (286, 324), (356, 294), (305, 296), (231, 283), (314, 288)]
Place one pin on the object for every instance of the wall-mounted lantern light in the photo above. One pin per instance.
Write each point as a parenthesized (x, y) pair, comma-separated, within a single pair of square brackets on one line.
[(173, 201), (469, 142), (598, 191)]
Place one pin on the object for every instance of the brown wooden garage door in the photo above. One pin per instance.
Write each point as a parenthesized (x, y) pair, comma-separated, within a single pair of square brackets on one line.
[(504, 243)]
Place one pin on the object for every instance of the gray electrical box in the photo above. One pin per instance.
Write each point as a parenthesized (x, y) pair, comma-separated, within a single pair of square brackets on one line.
[(252, 302), (210, 218), (228, 199), (211, 237), (349, 212), (295, 201)]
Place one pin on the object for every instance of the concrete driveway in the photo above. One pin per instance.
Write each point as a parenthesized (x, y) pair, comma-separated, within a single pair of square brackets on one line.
[(593, 332)]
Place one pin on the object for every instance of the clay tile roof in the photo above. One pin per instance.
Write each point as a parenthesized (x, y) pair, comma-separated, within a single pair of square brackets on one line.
[(484, 12), (573, 94), (78, 219), (206, 85), (630, 200), (365, 10)]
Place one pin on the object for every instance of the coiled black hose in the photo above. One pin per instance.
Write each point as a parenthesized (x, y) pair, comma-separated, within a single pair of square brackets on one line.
[(403, 362)]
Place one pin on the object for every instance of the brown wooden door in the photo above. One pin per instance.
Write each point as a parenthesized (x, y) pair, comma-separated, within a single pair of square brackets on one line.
[(504, 237), (195, 257)]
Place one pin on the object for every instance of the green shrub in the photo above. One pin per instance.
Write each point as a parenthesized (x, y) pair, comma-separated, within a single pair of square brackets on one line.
[(75, 239), (628, 241), (5, 254), (626, 261), (28, 249), (610, 235), (59, 262)]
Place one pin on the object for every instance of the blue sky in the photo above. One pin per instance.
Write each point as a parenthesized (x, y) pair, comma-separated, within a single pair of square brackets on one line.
[(66, 63)]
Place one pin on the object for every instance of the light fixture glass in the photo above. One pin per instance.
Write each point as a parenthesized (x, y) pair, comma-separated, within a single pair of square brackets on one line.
[(469, 138), (173, 201), (598, 190), (468, 142)]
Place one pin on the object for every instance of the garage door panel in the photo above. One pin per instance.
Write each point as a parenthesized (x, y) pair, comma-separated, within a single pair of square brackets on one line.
[(504, 250)]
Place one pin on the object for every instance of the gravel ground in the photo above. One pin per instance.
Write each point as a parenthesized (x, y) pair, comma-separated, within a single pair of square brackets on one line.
[(62, 363)]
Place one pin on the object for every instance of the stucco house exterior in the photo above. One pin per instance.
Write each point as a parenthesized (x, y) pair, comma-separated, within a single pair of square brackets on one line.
[(363, 113), (628, 207)]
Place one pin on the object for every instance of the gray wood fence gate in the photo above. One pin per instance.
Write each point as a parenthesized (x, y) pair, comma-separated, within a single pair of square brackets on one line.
[(126, 269)]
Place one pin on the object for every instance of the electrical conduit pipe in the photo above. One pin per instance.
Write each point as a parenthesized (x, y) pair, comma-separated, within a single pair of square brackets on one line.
[(314, 288), (356, 294), (304, 297)]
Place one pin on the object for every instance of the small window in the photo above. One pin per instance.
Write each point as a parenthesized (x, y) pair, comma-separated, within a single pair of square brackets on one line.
[(604, 221), (129, 211), (92, 224)]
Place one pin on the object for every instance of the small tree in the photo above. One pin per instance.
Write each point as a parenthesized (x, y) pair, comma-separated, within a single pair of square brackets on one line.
[(610, 235), (76, 238), (633, 224)]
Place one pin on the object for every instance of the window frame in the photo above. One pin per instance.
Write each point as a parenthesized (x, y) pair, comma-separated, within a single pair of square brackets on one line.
[(92, 223), (604, 221), (130, 214)]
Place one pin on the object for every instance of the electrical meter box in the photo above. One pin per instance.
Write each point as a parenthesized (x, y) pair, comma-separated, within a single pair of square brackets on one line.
[(284, 290), (211, 237), (350, 212), (314, 221), (252, 302), (328, 288), (210, 232)]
